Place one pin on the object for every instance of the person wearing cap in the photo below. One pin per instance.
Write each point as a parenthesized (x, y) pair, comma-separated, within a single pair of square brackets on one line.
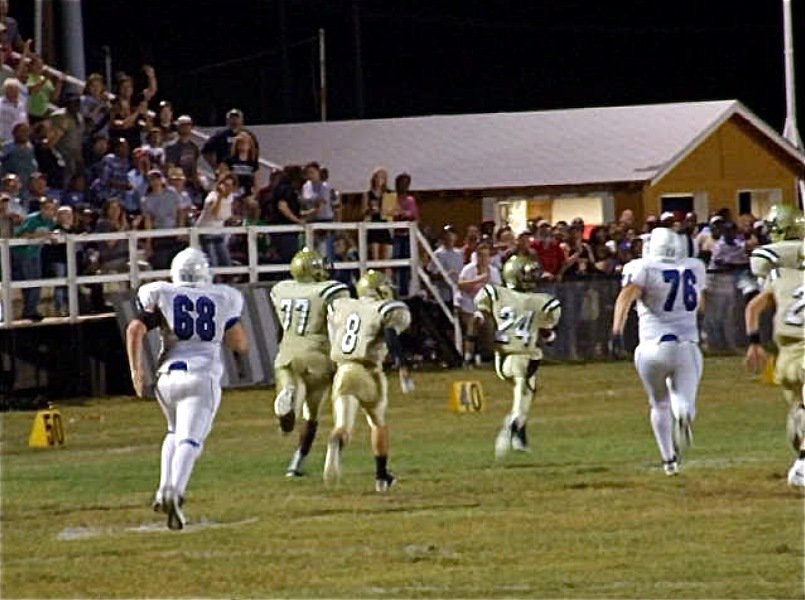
[(184, 153), (18, 155), (161, 210), (219, 146), (12, 108)]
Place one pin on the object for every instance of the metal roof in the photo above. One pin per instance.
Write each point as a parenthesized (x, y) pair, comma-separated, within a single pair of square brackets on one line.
[(502, 150)]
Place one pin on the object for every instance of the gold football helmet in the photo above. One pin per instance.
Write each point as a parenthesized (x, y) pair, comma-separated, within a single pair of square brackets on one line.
[(308, 265), (521, 273), (374, 284), (785, 222)]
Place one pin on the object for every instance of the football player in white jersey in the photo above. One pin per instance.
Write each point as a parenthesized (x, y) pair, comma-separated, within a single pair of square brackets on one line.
[(195, 317), (303, 369), (667, 285)]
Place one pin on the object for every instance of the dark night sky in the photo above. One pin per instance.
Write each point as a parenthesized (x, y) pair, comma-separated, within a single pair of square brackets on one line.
[(426, 57)]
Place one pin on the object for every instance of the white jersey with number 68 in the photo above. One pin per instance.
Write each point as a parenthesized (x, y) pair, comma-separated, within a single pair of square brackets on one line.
[(195, 319), (671, 296)]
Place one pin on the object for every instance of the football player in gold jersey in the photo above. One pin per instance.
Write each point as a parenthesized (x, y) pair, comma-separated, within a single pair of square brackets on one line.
[(522, 319), (785, 292), (303, 369), (362, 332)]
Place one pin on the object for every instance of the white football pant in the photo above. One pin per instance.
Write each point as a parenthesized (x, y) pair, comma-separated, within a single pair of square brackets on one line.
[(671, 372)]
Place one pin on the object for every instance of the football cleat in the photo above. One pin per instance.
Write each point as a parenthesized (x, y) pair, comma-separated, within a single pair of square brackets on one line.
[(156, 505), (503, 443), (172, 506), (383, 484), (332, 462), (295, 466), (796, 474), (671, 467), (520, 439)]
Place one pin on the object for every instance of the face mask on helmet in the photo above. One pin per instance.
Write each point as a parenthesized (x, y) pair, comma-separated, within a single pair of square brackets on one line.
[(521, 273), (785, 222)]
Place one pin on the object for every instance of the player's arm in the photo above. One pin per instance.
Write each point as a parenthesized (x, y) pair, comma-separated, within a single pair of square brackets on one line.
[(484, 300), (630, 294), (147, 318), (551, 313), (396, 319), (755, 355), (236, 339)]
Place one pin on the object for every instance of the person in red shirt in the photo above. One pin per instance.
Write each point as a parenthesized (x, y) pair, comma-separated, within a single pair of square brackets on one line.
[(549, 250)]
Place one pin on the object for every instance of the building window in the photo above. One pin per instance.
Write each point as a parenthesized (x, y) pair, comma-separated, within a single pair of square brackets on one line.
[(677, 203)]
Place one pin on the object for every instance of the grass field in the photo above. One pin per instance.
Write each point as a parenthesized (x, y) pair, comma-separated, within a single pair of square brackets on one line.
[(588, 514)]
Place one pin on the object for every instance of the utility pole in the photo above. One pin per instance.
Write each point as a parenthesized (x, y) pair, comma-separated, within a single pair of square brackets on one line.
[(285, 64), (790, 131), (356, 34), (322, 77)]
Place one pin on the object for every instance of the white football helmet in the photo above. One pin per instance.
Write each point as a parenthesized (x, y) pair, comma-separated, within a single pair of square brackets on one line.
[(190, 266), (667, 245)]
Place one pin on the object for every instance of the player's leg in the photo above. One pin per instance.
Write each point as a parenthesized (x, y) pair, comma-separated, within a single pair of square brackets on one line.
[(521, 371), (653, 372), (286, 385), (683, 389), (317, 386), (200, 397), (795, 424), (347, 386), (168, 407), (376, 417)]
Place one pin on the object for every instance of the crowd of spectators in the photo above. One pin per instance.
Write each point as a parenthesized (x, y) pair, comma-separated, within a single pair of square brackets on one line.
[(582, 263)]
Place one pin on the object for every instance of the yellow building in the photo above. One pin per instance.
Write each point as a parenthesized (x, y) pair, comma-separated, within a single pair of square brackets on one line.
[(588, 162)]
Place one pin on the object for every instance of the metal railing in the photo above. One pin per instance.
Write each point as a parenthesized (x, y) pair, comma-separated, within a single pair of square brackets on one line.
[(252, 269)]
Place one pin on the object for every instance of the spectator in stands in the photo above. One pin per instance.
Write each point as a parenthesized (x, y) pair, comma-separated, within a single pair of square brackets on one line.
[(549, 251), (575, 274), (18, 155), (344, 251), (505, 242), (317, 204), (26, 262), (38, 189), (184, 153), (48, 158), (165, 123), (11, 189), (54, 257), (76, 192), (95, 105), (379, 240), (114, 177), (12, 28), (287, 211), (604, 261), (407, 210), (627, 219), (176, 181), (522, 247), (161, 209), (471, 239), (153, 146), (473, 276), (41, 90), (128, 110), (7, 218), (451, 260), (113, 254), (243, 163), (219, 146), (94, 152), (216, 212), (138, 181), (69, 130), (12, 109)]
